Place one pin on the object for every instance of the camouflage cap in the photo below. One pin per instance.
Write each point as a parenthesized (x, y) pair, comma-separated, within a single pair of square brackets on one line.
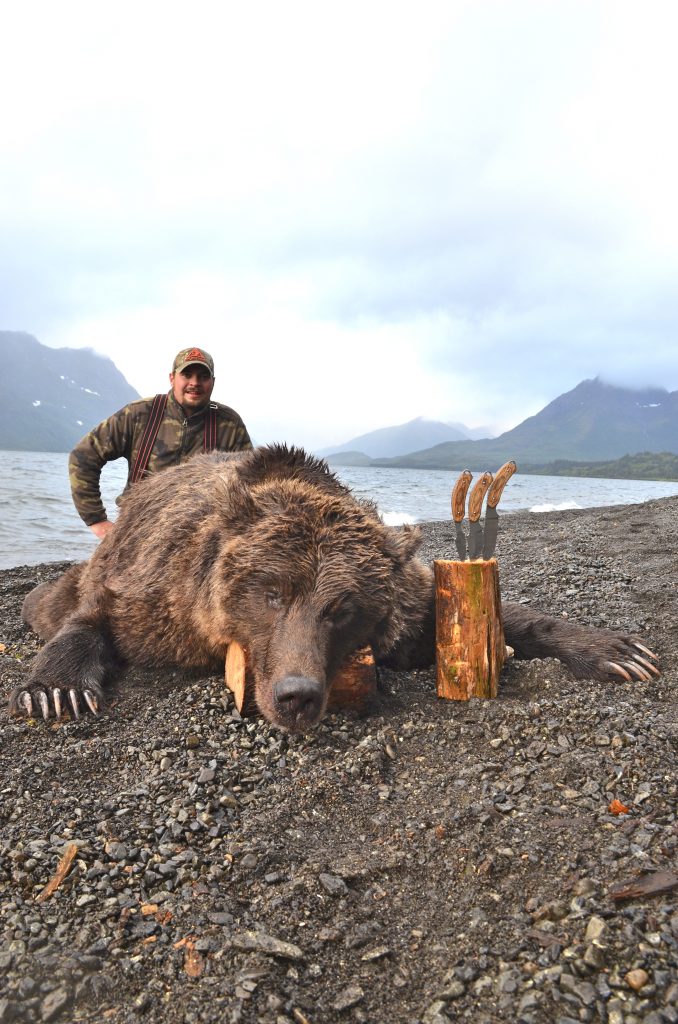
[(190, 356)]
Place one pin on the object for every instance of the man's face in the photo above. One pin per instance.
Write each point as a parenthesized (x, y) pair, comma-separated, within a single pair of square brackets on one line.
[(192, 386)]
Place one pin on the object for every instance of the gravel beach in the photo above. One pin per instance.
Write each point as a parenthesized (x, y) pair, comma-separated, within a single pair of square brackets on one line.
[(430, 861)]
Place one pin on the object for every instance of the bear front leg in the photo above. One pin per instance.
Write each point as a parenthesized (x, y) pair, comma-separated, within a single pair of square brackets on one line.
[(588, 652), (68, 672)]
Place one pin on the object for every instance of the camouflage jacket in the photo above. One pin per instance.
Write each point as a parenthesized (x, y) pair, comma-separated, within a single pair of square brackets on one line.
[(178, 438)]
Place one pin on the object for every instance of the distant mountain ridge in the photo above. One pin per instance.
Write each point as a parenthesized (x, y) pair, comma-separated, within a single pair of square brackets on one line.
[(399, 440), (56, 394), (594, 421)]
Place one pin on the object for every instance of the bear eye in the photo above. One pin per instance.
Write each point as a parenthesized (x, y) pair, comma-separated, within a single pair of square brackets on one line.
[(274, 598), (337, 616)]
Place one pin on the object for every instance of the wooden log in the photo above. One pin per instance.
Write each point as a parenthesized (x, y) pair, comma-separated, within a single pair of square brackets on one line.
[(470, 647), (355, 683), (353, 686)]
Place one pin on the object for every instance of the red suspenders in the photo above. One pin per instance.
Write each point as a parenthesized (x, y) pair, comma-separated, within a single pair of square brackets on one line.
[(151, 432), (210, 442)]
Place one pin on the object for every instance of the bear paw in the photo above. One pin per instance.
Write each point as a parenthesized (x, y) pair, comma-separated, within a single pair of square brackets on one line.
[(627, 658), (51, 700)]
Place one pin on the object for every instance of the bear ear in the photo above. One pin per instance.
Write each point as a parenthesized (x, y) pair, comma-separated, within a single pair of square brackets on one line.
[(237, 504), (402, 543)]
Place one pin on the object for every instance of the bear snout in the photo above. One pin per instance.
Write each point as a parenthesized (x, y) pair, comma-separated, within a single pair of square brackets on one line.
[(298, 702)]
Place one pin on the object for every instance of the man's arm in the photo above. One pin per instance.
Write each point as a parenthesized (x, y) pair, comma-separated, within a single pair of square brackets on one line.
[(110, 440)]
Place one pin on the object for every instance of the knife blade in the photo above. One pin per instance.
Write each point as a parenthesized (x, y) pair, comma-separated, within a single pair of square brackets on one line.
[(475, 505), (459, 510), (501, 478)]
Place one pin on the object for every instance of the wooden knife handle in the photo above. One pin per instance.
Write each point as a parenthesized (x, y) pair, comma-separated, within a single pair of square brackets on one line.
[(475, 502), (501, 478), (459, 495)]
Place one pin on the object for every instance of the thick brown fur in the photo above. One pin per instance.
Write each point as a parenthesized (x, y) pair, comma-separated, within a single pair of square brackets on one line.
[(266, 548)]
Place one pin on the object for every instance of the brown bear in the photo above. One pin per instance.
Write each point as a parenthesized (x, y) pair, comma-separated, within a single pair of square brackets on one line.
[(269, 549)]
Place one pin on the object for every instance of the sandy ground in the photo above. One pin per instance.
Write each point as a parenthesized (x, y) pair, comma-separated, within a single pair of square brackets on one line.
[(431, 861)]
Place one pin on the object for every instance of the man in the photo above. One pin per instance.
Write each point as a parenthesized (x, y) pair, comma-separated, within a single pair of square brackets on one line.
[(154, 433)]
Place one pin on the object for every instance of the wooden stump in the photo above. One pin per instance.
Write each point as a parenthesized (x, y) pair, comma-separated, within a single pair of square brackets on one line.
[(353, 686), (470, 648)]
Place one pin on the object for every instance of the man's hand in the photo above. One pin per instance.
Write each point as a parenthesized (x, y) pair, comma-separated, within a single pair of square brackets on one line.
[(101, 529)]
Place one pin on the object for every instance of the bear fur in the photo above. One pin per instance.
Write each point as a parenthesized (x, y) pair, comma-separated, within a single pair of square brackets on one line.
[(269, 549)]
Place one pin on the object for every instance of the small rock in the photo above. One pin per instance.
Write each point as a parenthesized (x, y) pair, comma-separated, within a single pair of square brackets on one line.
[(116, 851), (349, 997), (636, 979), (507, 982), (594, 929), (453, 989), (584, 887), (142, 1002), (528, 1002), (376, 954), (435, 1013), (260, 942), (594, 956), (333, 885), (221, 917), (54, 1003), (7, 1011)]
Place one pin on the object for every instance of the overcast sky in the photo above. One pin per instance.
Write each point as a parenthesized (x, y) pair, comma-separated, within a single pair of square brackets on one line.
[(366, 211)]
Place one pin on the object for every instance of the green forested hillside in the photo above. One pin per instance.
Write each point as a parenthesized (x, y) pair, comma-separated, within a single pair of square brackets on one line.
[(643, 466)]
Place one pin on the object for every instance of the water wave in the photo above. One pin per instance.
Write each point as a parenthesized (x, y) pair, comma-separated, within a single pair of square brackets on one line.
[(38, 522), (561, 506), (398, 518)]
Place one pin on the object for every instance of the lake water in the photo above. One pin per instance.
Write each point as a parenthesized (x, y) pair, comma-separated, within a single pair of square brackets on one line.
[(39, 524)]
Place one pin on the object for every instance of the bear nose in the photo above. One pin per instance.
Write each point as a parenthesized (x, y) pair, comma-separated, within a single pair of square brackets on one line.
[(298, 701)]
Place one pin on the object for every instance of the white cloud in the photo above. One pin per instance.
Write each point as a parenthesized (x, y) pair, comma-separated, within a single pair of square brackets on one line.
[(367, 212)]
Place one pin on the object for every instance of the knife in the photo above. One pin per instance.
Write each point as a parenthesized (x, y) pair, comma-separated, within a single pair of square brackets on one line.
[(475, 504), (501, 478), (459, 510)]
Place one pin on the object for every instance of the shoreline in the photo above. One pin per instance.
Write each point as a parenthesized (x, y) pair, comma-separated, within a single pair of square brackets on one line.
[(437, 527)]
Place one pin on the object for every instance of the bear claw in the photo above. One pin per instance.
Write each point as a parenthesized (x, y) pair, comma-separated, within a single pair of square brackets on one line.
[(647, 664), (645, 650), (44, 703), (618, 670), (73, 699), (28, 702), (91, 702), (637, 670)]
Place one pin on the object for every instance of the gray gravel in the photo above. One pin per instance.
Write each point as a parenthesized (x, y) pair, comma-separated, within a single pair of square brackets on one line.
[(432, 861)]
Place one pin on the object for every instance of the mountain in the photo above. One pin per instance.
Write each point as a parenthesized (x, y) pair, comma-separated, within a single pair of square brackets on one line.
[(393, 441), (595, 421), (56, 394), (472, 433)]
